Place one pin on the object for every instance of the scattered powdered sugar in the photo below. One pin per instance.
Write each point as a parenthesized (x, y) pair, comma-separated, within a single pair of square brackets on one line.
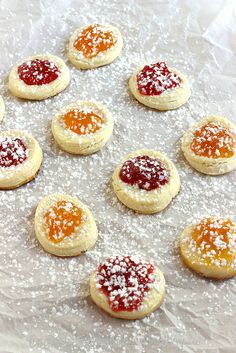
[(13, 151), (156, 79), (44, 300)]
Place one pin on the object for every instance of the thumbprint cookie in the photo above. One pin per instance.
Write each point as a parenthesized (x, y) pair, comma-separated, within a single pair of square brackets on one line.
[(39, 77), (146, 181), (20, 158), (95, 45), (64, 226), (160, 87), (82, 127), (127, 287), (210, 145), (209, 247)]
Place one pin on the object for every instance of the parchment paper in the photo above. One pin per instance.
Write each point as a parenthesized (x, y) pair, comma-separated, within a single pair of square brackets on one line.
[(44, 300)]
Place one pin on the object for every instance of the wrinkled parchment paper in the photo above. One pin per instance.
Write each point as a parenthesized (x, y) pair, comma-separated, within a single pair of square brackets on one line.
[(44, 300)]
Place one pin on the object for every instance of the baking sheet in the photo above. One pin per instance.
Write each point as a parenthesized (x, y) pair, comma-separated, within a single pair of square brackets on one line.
[(44, 301)]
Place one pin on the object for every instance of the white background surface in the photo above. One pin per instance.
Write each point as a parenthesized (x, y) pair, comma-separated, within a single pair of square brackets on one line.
[(44, 301)]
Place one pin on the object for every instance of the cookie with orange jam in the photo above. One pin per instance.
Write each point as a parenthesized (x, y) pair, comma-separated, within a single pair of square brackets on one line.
[(64, 226), (127, 287), (146, 181), (39, 77), (82, 127), (210, 145), (159, 86), (209, 247), (20, 158), (95, 45)]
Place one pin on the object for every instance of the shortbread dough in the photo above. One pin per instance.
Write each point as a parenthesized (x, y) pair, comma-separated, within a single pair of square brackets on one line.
[(147, 199), (95, 45), (169, 90), (209, 248), (82, 127), (128, 299), (213, 150), (40, 76), (20, 158), (64, 226), (2, 108)]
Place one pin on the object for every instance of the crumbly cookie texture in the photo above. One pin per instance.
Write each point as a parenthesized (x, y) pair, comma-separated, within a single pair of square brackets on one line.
[(209, 247), (20, 158), (2, 108), (64, 226), (127, 287), (159, 90), (141, 199), (82, 127), (210, 145), (31, 82), (104, 41)]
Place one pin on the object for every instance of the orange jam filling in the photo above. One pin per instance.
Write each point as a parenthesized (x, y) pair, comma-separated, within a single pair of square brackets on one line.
[(93, 40), (61, 220), (214, 141), (81, 122), (215, 240)]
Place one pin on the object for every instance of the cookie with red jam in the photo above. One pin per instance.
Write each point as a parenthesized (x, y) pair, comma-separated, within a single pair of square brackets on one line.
[(127, 287), (20, 158), (146, 181), (159, 86), (39, 77)]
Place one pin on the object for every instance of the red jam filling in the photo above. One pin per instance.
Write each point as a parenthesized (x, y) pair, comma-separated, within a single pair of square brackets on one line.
[(146, 172), (38, 72), (155, 79), (13, 151), (125, 280)]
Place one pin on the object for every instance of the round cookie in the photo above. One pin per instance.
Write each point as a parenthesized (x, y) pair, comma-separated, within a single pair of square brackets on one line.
[(146, 181), (209, 248), (127, 287), (159, 87), (2, 108), (95, 45), (39, 77), (210, 145), (20, 158), (82, 127), (64, 226)]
